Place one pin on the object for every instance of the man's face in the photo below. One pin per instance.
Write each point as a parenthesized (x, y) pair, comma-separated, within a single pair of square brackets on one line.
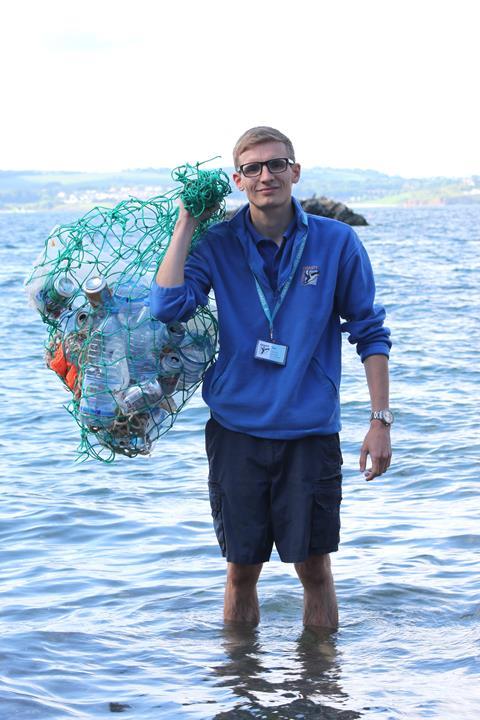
[(267, 190)]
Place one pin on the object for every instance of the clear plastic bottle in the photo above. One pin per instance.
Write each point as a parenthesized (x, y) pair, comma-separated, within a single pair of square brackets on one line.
[(157, 422), (129, 297), (106, 373), (141, 358)]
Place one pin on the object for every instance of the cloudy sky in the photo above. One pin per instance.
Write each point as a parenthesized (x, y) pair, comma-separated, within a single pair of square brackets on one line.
[(101, 85)]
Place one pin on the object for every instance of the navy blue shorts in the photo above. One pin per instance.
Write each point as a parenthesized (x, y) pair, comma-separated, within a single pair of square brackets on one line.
[(263, 491)]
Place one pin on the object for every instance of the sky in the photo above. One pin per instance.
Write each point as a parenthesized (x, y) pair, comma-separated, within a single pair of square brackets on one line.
[(373, 84)]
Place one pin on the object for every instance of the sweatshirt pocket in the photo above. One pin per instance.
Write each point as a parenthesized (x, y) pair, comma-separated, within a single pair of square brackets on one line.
[(219, 377), (324, 376)]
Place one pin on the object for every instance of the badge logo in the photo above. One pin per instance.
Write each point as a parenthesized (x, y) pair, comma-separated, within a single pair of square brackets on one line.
[(310, 274)]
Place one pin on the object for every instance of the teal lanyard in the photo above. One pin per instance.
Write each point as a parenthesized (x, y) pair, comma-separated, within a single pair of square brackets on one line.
[(270, 314)]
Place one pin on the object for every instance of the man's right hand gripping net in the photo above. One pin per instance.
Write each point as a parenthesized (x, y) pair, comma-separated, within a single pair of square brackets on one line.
[(129, 375)]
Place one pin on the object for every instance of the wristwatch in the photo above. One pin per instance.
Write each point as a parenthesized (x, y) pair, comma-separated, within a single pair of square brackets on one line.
[(385, 416)]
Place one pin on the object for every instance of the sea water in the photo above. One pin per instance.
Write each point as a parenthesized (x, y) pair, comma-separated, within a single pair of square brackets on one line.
[(111, 579)]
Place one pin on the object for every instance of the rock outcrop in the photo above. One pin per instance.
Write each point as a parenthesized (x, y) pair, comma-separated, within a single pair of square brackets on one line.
[(330, 208)]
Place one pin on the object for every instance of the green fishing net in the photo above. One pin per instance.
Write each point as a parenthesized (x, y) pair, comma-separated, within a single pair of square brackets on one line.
[(129, 375)]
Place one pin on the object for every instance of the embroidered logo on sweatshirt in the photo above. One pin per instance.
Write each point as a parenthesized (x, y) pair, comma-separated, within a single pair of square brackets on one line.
[(310, 274)]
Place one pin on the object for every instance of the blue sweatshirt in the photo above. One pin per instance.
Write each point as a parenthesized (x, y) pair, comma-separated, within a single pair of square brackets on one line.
[(269, 250), (333, 280)]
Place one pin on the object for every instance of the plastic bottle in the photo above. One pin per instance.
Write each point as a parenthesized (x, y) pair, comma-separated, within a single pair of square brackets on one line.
[(140, 346), (106, 373), (156, 423), (130, 297)]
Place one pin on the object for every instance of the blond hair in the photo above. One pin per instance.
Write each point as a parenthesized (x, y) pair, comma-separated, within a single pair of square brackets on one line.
[(257, 135)]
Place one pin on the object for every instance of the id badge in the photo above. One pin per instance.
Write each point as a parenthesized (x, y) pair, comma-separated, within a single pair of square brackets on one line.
[(271, 352)]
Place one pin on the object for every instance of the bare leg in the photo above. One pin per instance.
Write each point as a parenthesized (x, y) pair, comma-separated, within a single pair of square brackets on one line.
[(241, 601), (320, 603)]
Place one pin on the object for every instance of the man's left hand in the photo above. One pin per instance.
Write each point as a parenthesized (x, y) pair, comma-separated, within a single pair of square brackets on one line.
[(377, 445)]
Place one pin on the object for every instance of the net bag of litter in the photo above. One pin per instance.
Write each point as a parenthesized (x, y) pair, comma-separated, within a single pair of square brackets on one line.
[(128, 374)]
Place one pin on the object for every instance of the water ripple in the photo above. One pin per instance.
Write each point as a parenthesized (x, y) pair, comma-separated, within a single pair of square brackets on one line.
[(112, 581)]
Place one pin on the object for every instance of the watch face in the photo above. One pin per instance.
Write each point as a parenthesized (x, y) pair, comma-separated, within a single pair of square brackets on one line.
[(388, 416)]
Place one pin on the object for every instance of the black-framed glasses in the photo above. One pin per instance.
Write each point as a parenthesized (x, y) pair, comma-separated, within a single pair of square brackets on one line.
[(275, 166)]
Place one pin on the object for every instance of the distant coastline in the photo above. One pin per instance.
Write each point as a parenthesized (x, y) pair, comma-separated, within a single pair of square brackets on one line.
[(63, 191)]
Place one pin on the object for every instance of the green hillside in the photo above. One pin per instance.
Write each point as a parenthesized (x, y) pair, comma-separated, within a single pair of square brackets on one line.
[(57, 190)]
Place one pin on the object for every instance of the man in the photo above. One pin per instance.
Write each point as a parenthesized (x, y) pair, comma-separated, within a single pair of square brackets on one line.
[(282, 280)]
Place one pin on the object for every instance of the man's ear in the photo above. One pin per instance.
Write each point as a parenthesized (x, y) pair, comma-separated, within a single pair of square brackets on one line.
[(238, 180), (296, 171)]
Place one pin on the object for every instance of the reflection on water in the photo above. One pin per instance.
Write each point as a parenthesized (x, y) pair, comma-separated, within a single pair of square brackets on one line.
[(302, 684)]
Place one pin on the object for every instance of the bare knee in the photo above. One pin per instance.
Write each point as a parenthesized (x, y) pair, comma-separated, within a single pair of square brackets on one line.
[(243, 577), (314, 571)]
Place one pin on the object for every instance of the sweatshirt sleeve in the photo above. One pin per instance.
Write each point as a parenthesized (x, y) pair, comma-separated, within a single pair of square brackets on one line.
[(179, 303), (354, 297)]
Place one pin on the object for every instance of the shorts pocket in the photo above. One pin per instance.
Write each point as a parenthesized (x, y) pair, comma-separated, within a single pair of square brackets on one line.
[(215, 495), (329, 458), (327, 498)]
